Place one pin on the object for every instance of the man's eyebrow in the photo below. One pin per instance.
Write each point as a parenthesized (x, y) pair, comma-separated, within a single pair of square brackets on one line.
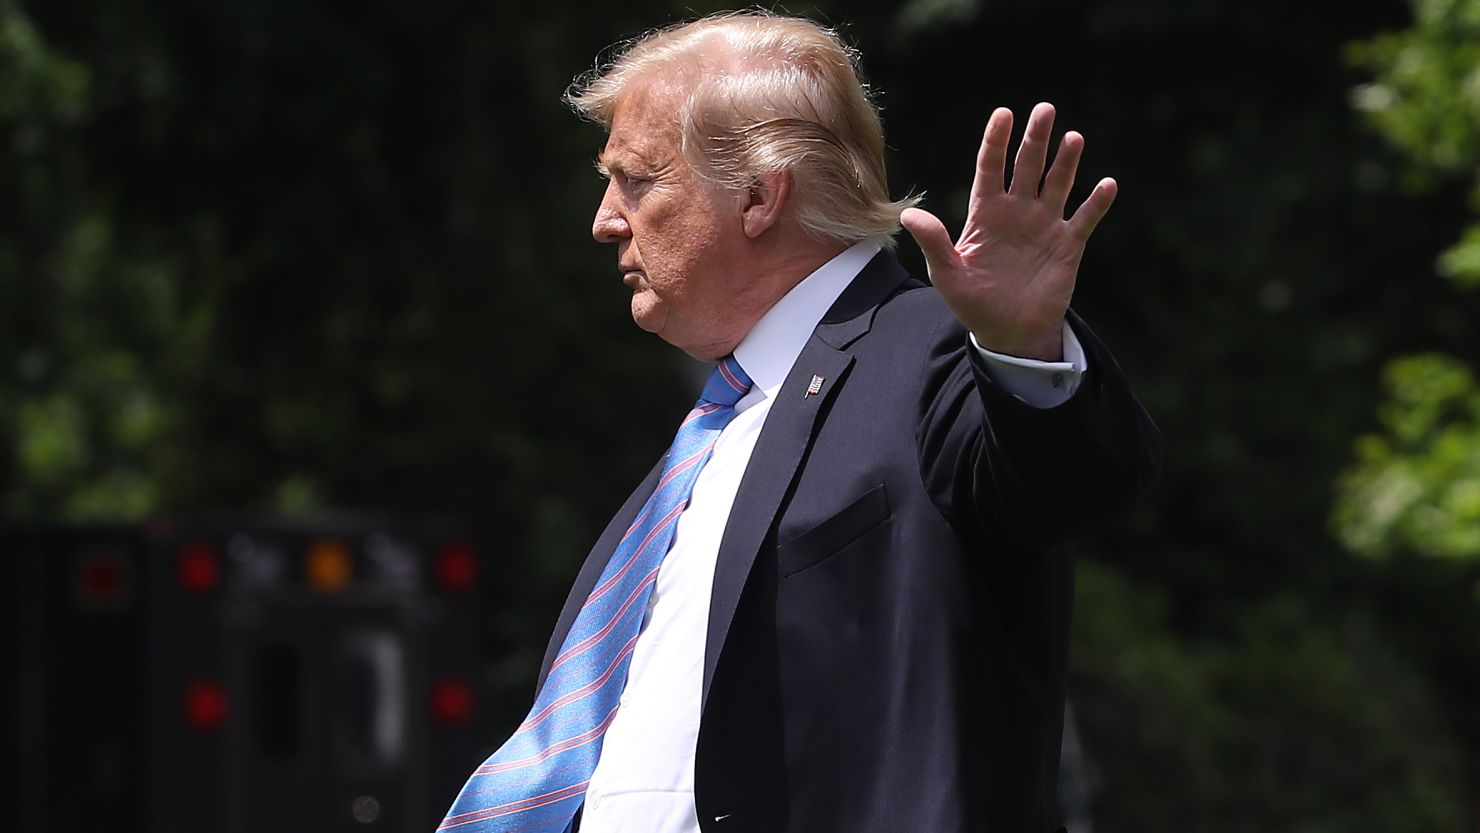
[(629, 161), (606, 164)]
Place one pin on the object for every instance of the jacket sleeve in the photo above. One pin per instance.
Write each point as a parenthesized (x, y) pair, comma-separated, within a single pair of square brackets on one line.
[(1037, 476)]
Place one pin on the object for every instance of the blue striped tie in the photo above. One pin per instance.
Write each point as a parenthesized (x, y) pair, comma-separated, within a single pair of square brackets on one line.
[(537, 779)]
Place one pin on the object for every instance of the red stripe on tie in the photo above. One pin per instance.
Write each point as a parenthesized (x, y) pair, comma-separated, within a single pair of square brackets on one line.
[(617, 576), (601, 591), (704, 410), (511, 807), (609, 583), (570, 743), (662, 525), (570, 697), (505, 809), (724, 371), (586, 643), (648, 507), (538, 779), (682, 466)]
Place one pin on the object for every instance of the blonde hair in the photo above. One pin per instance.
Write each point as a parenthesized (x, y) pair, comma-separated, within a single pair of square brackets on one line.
[(760, 94)]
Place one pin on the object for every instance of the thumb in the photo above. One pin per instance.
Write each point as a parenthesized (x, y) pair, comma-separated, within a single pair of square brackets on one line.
[(931, 236)]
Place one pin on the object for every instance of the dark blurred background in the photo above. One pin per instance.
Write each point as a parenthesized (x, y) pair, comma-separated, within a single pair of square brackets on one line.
[(316, 259)]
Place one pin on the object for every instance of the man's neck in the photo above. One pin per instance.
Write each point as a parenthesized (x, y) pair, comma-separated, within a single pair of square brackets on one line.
[(772, 271), (780, 273), (773, 343)]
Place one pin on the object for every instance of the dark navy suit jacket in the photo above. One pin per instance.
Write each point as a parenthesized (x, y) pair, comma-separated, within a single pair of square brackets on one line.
[(888, 631)]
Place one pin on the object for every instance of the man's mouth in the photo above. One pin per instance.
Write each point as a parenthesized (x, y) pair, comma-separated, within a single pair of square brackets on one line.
[(632, 277)]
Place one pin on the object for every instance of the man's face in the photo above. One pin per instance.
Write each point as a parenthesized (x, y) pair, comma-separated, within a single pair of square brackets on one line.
[(679, 242)]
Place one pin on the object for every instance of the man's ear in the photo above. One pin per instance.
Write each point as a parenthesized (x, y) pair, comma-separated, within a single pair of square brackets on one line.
[(761, 207)]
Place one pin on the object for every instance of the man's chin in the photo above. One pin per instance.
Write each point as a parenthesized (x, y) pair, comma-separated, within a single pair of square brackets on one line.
[(652, 316), (648, 313)]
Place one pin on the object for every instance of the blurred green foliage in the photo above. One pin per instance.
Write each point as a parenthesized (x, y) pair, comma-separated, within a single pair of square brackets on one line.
[(1285, 723), (1426, 99), (1415, 486), (289, 256)]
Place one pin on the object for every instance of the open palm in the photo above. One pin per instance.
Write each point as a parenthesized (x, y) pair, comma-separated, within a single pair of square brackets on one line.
[(1011, 273)]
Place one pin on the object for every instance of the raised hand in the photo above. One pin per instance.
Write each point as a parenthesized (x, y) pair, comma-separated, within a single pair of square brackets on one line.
[(1010, 275)]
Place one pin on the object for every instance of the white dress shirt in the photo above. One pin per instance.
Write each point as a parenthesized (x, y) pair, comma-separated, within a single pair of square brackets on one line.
[(644, 781)]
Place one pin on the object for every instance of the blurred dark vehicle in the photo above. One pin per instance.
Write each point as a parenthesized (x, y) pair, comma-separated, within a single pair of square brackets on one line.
[(235, 677)]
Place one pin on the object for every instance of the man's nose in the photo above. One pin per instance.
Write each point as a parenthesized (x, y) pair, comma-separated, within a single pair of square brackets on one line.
[(609, 225)]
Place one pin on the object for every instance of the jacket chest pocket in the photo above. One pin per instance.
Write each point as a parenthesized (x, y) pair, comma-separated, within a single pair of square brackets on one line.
[(831, 535)]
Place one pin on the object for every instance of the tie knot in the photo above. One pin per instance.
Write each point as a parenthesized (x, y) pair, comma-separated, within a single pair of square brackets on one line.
[(726, 384)]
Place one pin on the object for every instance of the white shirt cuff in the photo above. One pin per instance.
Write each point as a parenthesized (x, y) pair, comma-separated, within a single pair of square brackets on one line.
[(1040, 384)]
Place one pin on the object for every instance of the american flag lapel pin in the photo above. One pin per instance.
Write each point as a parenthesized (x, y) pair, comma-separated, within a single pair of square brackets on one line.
[(814, 387)]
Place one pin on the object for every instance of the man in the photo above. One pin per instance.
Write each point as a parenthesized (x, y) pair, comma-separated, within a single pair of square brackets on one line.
[(838, 603)]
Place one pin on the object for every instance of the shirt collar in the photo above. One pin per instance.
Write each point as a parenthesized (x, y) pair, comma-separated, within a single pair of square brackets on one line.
[(771, 347)]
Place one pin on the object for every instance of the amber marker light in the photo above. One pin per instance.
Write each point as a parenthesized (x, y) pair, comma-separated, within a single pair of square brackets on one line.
[(328, 567)]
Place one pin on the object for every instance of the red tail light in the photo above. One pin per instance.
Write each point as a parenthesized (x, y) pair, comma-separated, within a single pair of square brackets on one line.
[(199, 568), (457, 566), (205, 705), (452, 702), (102, 580)]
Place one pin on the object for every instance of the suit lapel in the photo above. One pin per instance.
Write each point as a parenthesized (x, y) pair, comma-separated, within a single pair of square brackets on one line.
[(783, 443), (773, 463), (789, 428)]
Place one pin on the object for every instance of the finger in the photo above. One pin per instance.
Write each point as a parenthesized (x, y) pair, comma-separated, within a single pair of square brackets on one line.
[(1061, 175), (1094, 209), (1027, 171), (933, 239), (991, 160)]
